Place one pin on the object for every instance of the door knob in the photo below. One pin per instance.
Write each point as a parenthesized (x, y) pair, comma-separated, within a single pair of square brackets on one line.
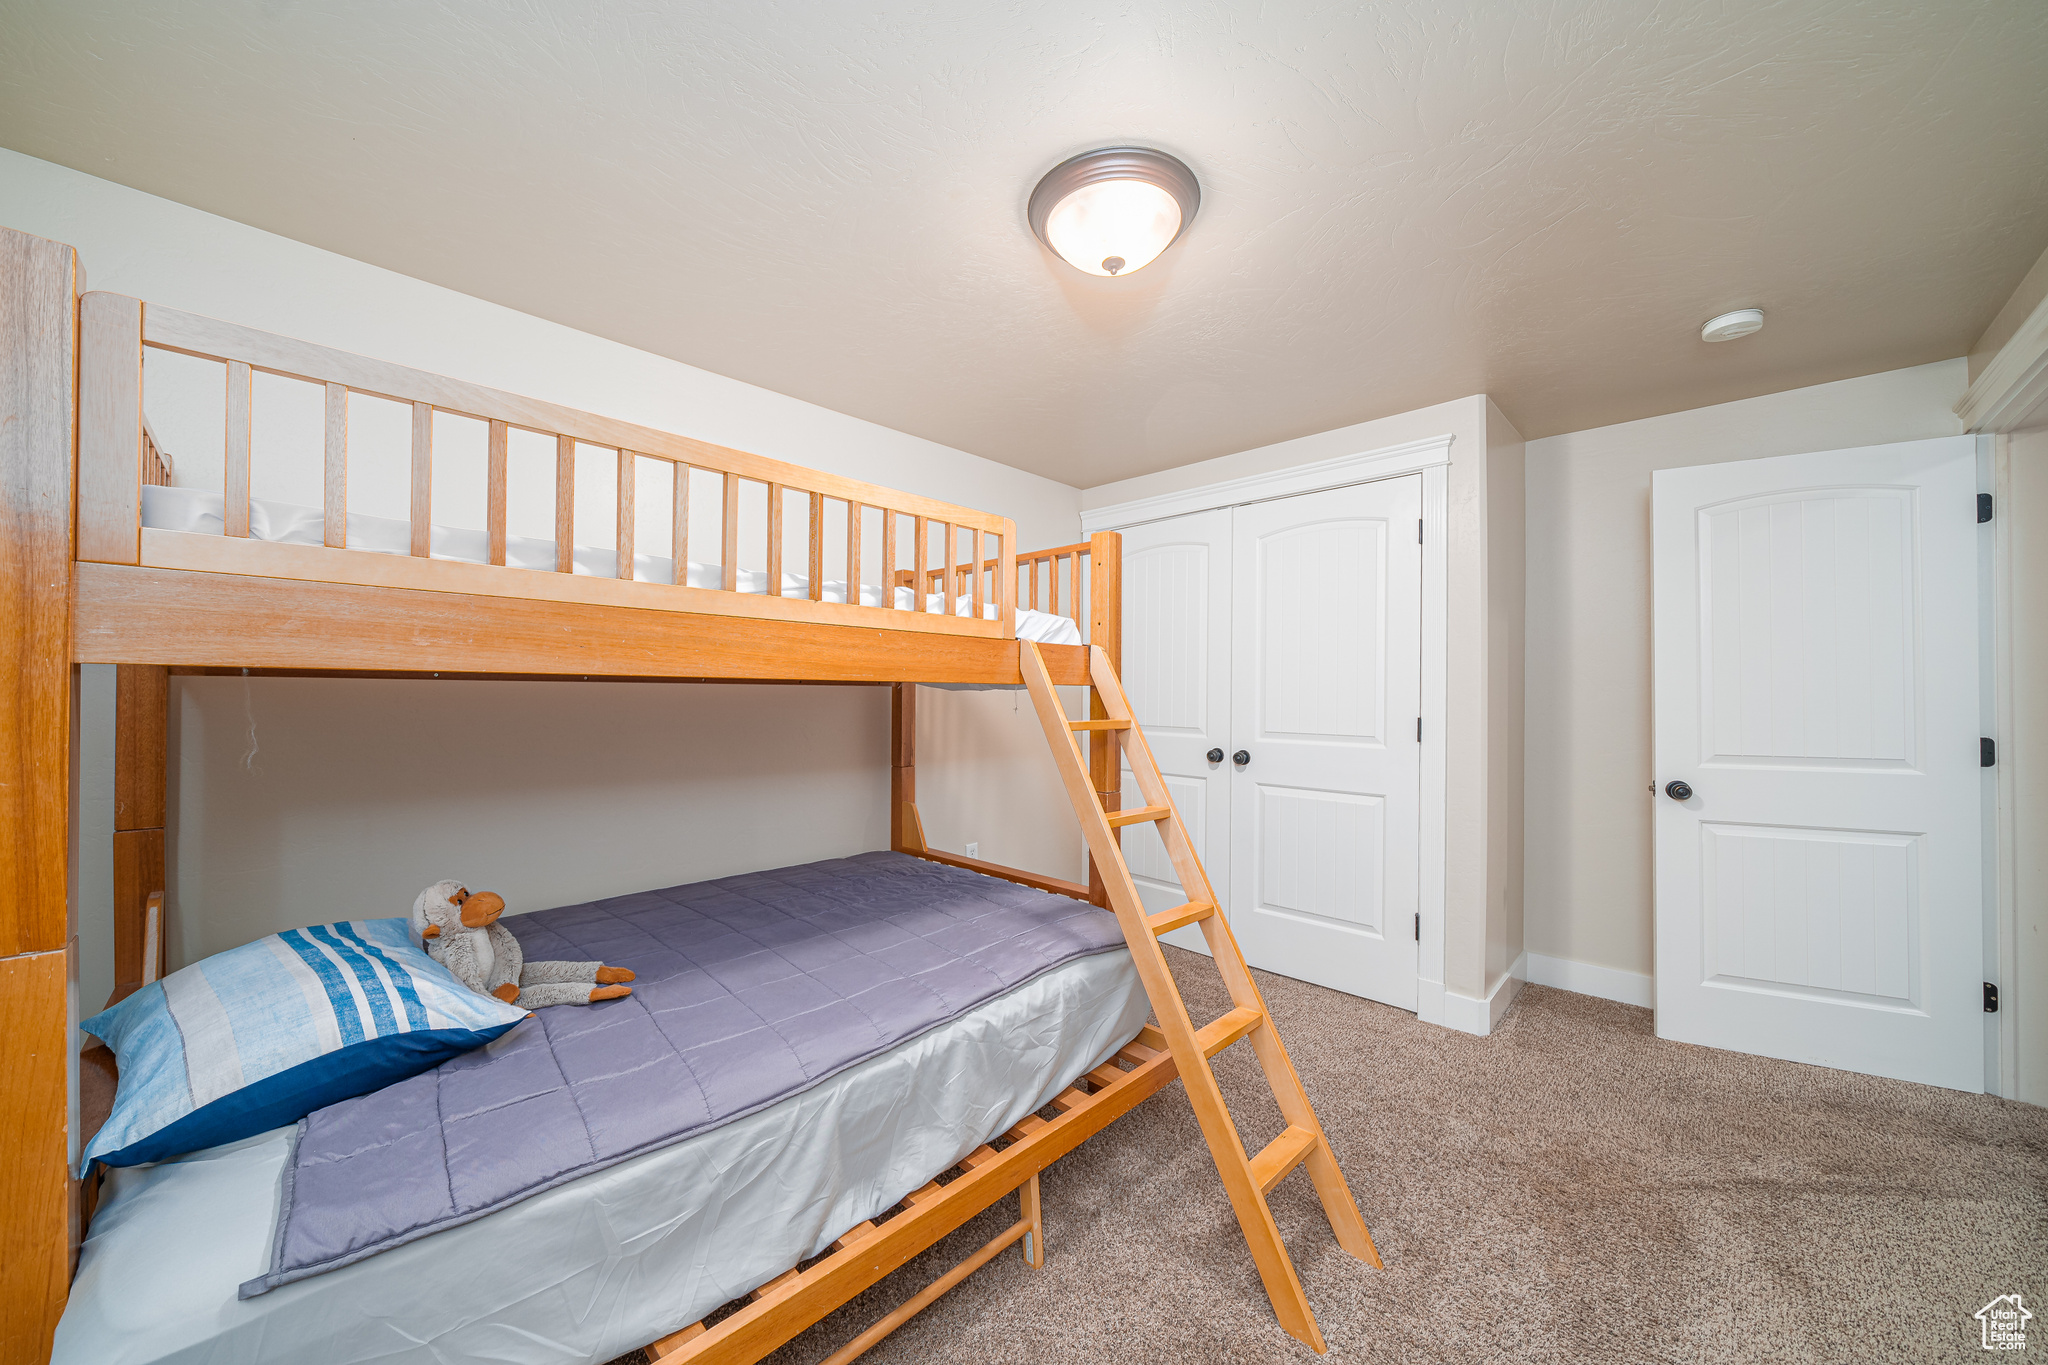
[(1241, 757), (1678, 791), (1215, 755)]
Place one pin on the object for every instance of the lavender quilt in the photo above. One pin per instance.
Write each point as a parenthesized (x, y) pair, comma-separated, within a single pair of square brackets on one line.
[(750, 989)]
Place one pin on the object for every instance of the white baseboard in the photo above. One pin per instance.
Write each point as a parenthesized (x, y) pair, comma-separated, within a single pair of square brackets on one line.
[(1480, 1015), (1609, 983), (1429, 1002)]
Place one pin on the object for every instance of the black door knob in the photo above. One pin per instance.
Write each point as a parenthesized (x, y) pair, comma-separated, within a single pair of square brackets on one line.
[(1241, 757), (1678, 791), (1215, 755)]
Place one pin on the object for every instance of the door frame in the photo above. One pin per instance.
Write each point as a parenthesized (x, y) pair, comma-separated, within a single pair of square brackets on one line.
[(1431, 458)]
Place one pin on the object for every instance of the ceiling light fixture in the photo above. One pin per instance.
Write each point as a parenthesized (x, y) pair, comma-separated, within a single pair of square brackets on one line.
[(1729, 326), (1113, 210)]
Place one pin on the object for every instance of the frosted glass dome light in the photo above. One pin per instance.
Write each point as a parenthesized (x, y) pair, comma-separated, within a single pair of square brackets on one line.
[(1112, 211)]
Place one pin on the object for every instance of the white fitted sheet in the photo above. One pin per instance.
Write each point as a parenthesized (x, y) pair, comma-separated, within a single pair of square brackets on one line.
[(597, 1267), (197, 510)]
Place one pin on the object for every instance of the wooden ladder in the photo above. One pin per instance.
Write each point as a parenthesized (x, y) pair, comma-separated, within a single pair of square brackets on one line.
[(1246, 1179)]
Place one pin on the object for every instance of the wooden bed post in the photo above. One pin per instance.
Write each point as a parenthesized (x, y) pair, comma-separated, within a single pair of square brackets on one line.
[(141, 699), (906, 831), (38, 414), (1106, 629)]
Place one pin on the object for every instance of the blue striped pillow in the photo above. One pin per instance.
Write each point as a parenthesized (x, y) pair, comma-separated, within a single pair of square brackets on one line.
[(266, 1033)]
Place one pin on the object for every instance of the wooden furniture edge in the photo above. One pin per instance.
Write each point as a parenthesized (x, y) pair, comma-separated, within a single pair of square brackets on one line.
[(320, 564), (767, 1323), (185, 618), (1057, 885)]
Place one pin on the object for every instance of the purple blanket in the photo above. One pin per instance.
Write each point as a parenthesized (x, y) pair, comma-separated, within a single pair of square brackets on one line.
[(750, 989)]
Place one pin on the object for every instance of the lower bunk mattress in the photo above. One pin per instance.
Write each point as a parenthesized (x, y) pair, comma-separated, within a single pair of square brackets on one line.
[(604, 1263)]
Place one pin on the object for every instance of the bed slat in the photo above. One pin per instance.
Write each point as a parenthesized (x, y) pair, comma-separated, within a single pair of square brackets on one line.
[(888, 559), (565, 504), (628, 471), (679, 522), (952, 534), (818, 548), (422, 480), (729, 533), (775, 540), (334, 491), (923, 560), (235, 464), (853, 519), (495, 490), (974, 541)]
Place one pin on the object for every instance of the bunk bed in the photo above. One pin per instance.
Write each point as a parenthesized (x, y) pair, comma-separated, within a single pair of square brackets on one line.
[(86, 484)]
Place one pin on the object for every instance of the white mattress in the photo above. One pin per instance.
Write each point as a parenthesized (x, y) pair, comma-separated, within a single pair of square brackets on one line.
[(595, 1268), (196, 510)]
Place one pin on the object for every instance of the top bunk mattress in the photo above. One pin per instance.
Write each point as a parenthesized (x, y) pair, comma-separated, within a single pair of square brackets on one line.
[(198, 511)]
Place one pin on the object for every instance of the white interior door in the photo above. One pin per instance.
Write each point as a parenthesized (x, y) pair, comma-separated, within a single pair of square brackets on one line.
[(1818, 890), (1325, 694), (1176, 670)]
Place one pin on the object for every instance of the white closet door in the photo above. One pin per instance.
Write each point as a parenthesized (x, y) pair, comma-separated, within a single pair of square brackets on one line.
[(1177, 673), (1325, 693), (1818, 876)]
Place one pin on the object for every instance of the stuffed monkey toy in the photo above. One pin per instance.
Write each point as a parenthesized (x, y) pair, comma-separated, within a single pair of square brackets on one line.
[(461, 932)]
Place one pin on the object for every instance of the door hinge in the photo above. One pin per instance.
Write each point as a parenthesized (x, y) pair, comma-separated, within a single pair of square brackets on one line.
[(1991, 997), (1418, 529), (1987, 753), (1418, 939), (1983, 508), (1418, 729)]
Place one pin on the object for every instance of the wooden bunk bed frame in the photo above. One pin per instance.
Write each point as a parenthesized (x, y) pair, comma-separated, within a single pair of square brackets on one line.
[(85, 582)]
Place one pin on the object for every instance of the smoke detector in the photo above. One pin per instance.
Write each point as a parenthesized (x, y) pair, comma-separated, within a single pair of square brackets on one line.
[(1729, 326)]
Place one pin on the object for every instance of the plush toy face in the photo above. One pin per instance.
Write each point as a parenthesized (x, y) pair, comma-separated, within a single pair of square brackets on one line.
[(448, 905)]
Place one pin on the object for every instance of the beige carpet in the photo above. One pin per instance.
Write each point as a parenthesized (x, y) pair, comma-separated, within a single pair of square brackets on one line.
[(1569, 1189)]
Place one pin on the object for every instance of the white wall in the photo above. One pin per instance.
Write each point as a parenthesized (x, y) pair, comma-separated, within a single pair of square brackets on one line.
[(361, 791), (1588, 689), (2024, 749)]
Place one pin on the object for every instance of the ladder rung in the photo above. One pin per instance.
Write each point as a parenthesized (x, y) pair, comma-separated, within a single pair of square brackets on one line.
[(1166, 921), (1098, 725), (1142, 815), (1280, 1156), (1228, 1029)]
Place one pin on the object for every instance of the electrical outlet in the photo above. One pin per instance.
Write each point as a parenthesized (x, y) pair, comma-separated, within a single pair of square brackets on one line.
[(974, 850)]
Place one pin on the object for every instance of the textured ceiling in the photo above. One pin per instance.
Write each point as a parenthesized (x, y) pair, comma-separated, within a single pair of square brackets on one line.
[(1402, 202)]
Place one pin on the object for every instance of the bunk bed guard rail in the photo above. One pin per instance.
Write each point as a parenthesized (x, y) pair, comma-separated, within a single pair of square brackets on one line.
[(969, 556)]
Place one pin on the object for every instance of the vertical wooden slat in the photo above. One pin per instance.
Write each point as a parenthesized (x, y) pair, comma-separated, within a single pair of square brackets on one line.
[(853, 556), (334, 470), (38, 442), (628, 469), (496, 490), (1032, 566), (952, 534), (974, 542), (110, 429), (1006, 579), (818, 548), (235, 464), (920, 579), (729, 533), (679, 521), (888, 558), (422, 480), (775, 540), (565, 504)]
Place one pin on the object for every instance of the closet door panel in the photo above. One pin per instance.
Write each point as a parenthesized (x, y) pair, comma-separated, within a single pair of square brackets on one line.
[(1177, 603), (1326, 653)]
